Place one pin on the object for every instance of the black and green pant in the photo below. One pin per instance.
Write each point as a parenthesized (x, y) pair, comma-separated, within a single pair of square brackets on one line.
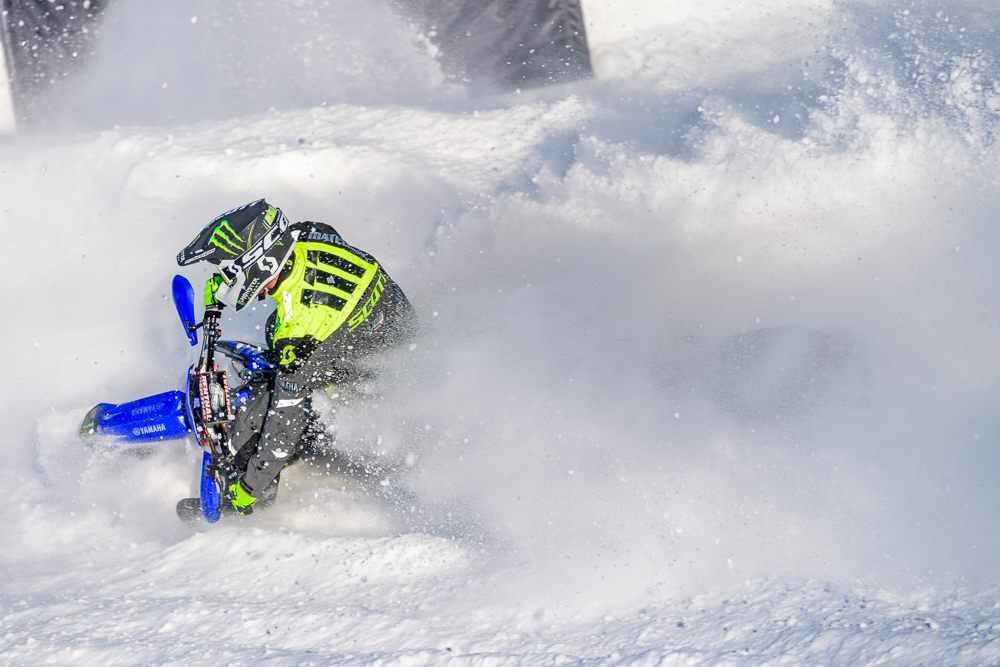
[(272, 427)]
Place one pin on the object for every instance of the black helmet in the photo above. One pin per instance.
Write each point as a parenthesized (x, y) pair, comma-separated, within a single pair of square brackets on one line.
[(249, 245)]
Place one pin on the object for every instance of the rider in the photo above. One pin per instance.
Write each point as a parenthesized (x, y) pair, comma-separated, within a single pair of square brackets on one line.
[(335, 304)]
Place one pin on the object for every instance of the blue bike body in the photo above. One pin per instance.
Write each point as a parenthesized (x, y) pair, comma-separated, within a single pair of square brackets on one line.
[(150, 419), (173, 415), (166, 416)]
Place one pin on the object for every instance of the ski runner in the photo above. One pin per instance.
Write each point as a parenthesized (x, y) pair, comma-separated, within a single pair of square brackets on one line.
[(335, 305)]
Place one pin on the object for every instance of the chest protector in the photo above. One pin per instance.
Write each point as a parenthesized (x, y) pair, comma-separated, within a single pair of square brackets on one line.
[(325, 287)]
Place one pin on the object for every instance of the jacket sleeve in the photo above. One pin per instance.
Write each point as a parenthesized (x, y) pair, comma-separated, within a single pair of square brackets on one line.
[(293, 353)]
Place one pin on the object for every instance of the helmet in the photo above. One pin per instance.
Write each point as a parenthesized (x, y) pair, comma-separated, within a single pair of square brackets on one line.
[(249, 245)]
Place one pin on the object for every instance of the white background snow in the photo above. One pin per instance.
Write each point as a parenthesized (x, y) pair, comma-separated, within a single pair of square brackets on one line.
[(567, 468)]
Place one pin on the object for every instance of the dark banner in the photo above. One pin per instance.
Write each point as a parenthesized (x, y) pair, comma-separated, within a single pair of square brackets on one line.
[(507, 44), (490, 45), (44, 42)]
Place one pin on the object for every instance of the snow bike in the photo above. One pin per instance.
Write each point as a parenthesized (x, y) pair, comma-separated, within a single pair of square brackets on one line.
[(205, 408)]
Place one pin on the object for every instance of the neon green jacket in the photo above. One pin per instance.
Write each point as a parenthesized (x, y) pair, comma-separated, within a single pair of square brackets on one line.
[(325, 285)]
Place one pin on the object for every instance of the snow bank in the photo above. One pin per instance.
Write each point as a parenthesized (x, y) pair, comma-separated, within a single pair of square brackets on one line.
[(706, 376)]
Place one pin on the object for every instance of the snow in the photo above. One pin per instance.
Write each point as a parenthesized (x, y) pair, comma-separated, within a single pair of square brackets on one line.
[(7, 122), (581, 461)]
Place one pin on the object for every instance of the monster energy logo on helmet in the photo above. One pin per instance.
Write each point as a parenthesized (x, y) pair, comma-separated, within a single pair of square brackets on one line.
[(249, 245), (224, 237)]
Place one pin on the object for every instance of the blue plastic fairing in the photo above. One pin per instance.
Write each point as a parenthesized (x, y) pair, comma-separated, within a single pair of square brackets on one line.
[(154, 418), (209, 491), (184, 302)]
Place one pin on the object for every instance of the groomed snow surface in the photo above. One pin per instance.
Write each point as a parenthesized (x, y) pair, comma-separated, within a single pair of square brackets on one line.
[(708, 371)]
